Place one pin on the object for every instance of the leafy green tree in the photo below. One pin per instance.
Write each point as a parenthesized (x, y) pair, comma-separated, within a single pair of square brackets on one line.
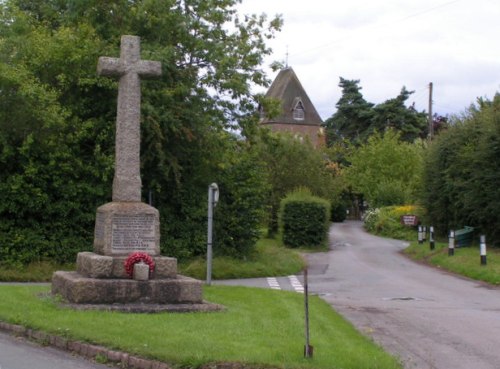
[(357, 119), (53, 163), (353, 117), (386, 170), (394, 114), (57, 126), (462, 172), (291, 164)]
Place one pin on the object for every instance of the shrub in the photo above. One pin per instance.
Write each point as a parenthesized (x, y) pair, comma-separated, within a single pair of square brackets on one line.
[(386, 222), (462, 172), (386, 170), (305, 219)]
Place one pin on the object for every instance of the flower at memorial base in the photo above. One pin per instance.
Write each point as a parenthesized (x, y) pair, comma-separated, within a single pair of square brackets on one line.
[(138, 257)]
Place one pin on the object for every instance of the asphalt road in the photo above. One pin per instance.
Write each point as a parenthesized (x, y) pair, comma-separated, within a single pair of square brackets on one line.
[(427, 317), (17, 353)]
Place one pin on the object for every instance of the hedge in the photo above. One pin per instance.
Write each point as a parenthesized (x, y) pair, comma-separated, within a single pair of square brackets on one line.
[(304, 219)]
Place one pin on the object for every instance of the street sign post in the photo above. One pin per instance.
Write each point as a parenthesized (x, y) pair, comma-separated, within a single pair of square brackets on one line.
[(213, 198)]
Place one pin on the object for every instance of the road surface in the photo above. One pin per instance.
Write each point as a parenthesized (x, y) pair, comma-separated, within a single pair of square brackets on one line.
[(17, 353), (427, 317)]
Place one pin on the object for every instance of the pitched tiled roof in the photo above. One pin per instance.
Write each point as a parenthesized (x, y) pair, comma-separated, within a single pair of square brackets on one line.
[(288, 89)]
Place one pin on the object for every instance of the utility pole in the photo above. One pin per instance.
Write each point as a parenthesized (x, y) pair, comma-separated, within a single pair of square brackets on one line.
[(431, 121)]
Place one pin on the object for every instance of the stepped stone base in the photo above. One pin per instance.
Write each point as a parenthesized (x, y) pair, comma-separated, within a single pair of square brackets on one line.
[(93, 265), (76, 288)]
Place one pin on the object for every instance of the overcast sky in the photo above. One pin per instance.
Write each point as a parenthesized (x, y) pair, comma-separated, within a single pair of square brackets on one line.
[(388, 44)]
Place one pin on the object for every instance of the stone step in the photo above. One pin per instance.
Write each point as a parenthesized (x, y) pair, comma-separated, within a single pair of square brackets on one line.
[(76, 288), (92, 265)]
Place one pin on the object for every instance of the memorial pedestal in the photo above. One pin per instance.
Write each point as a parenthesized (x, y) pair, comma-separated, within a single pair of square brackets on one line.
[(101, 280), (123, 227)]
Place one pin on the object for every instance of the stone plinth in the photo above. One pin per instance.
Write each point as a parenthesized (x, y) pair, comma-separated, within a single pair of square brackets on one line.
[(93, 265), (125, 227), (76, 288)]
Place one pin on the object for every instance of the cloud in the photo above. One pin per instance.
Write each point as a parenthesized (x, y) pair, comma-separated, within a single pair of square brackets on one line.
[(388, 44)]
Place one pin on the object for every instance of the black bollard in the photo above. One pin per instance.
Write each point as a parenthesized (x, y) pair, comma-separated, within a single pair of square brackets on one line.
[(431, 238), (482, 246), (451, 244)]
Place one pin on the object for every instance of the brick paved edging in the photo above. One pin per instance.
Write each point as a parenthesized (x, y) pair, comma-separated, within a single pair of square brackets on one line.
[(84, 349)]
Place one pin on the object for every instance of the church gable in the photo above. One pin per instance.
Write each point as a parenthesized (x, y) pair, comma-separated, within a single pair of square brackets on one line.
[(288, 89), (298, 115)]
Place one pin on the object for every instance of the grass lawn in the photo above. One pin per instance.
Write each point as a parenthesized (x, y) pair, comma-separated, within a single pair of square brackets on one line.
[(260, 327), (466, 260), (35, 272), (270, 259)]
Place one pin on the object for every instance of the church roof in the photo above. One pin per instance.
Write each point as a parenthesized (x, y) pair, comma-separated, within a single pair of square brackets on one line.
[(287, 88)]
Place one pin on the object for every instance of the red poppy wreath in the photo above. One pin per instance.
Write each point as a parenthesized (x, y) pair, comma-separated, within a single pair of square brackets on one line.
[(137, 257)]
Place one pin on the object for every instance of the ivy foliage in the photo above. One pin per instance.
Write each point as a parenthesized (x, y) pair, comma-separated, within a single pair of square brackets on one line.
[(462, 172)]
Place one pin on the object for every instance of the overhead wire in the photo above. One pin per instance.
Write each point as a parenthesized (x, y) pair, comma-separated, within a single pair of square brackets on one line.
[(417, 14)]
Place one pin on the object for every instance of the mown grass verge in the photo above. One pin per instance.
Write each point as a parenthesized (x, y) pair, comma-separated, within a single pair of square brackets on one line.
[(270, 259), (466, 260), (35, 272), (261, 328)]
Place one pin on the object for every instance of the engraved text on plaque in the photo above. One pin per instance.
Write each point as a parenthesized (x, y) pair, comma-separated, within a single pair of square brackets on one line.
[(133, 233)]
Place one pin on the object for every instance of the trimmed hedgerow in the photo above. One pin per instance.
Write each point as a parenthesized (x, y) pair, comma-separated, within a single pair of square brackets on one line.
[(304, 219)]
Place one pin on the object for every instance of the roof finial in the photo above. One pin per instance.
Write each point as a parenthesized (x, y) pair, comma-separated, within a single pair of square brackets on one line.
[(286, 60)]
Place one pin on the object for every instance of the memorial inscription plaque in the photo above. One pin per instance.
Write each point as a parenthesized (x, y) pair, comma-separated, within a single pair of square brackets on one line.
[(133, 233)]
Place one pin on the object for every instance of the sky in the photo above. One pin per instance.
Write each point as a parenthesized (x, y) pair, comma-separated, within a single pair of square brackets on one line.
[(388, 44)]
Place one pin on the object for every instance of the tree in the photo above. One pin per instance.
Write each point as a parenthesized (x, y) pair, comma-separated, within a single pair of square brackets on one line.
[(356, 119), (462, 172), (53, 163), (386, 170), (394, 114), (353, 117), (57, 126), (290, 164)]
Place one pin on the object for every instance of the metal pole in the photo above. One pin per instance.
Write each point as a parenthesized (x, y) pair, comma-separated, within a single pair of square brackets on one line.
[(209, 233), (430, 119), (308, 349)]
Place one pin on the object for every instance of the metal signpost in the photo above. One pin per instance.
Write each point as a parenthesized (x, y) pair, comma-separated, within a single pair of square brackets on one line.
[(213, 198)]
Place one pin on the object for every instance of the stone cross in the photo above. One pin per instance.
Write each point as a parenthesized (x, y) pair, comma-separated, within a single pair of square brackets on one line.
[(129, 68)]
